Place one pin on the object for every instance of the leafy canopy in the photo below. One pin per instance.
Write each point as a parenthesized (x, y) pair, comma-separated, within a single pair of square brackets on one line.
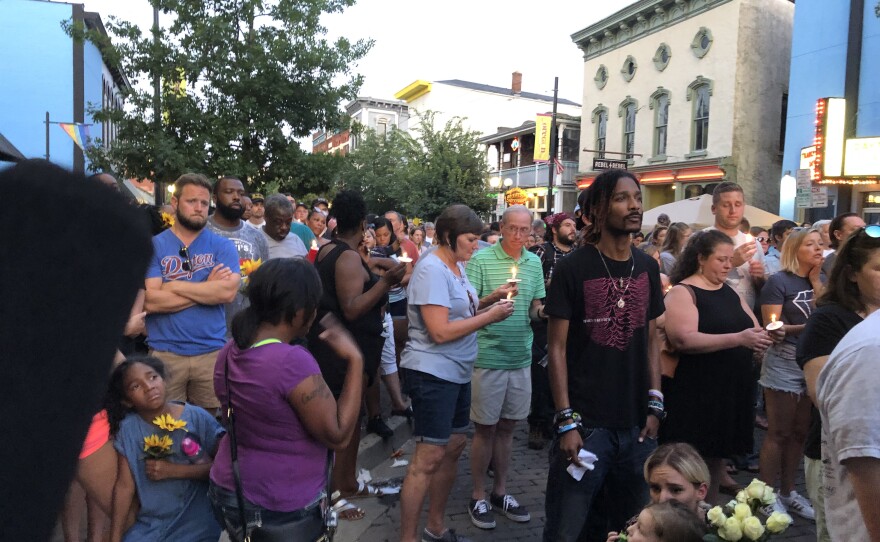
[(420, 175), (241, 79)]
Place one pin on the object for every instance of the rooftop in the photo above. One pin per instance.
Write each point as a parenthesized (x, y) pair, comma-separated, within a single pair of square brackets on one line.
[(504, 91)]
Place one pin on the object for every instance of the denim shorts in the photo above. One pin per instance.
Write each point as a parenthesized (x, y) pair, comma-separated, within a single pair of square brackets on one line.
[(780, 373), (441, 407)]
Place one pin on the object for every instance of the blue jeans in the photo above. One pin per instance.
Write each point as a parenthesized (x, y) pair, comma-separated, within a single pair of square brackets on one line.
[(307, 522), (606, 497)]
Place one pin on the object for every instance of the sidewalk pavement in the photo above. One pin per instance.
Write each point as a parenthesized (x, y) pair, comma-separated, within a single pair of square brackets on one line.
[(527, 482)]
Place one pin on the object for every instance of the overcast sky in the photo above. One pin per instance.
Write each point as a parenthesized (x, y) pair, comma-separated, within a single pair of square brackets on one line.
[(472, 40)]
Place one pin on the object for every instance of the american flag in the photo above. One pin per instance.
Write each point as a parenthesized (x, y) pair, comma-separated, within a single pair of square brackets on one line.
[(559, 167)]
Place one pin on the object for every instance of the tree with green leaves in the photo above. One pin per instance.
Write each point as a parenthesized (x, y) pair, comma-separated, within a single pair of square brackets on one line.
[(241, 80), (421, 174)]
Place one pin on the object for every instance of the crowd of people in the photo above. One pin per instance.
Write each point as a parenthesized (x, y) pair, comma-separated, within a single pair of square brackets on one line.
[(265, 327)]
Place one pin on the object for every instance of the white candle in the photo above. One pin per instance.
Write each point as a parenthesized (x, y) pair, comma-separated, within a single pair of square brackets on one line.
[(774, 323), (404, 258)]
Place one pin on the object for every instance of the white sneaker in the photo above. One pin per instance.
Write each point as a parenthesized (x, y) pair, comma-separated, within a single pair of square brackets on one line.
[(799, 505), (777, 506)]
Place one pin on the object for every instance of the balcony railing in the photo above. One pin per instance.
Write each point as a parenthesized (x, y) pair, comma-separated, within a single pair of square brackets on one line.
[(535, 175)]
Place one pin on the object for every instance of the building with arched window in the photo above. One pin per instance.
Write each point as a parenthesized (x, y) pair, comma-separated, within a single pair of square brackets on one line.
[(688, 93)]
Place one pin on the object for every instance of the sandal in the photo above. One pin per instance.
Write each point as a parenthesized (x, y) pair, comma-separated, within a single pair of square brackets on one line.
[(345, 510), (366, 490)]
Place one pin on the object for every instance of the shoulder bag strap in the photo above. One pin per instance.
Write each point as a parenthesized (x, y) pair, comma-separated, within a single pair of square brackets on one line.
[(233, 445)]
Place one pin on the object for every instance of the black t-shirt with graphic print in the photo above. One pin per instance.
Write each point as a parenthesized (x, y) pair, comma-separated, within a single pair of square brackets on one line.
[(607, 348)]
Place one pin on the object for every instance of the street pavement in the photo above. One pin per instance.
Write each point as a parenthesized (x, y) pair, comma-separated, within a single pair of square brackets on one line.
[(527, 482)]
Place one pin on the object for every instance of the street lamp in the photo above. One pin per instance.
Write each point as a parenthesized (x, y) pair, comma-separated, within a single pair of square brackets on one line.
[(494, 182)]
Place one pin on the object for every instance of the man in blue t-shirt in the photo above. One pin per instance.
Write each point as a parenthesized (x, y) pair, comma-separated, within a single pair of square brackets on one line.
[(192, 274)]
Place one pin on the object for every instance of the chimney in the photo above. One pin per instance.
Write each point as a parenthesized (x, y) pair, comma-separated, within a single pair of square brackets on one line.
[(516, 83)]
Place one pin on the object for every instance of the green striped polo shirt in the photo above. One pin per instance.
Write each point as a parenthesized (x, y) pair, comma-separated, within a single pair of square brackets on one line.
[(506, 344)]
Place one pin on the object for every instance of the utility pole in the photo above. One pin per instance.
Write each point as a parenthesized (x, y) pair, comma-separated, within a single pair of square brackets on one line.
[(158, 189), (551, 165)]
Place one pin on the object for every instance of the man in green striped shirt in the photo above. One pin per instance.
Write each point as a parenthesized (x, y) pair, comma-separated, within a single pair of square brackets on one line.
[(501, 385)]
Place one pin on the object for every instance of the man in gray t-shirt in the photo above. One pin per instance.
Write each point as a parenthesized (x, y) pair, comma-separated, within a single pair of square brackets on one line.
[(226, 221), (848, 396), (276, 232)]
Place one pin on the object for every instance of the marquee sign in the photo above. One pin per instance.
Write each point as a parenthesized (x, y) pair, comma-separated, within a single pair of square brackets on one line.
[(839, 160)]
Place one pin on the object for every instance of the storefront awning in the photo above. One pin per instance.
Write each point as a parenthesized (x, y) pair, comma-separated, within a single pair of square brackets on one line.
[(667, 176)]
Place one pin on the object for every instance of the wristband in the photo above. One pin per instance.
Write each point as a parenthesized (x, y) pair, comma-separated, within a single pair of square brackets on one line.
[(657, 413), (562, 429), (564, 414), (657, 394), (655, 404)]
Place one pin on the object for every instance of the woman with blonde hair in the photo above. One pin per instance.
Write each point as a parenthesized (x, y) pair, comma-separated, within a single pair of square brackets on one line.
[(788, 297)]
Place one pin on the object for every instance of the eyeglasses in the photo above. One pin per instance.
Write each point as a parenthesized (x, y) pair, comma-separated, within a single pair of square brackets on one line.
[(184, 253), (762, 239), (521, 231)]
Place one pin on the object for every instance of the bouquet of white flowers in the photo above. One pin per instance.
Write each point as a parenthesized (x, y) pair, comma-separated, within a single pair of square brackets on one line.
[(737, 520)]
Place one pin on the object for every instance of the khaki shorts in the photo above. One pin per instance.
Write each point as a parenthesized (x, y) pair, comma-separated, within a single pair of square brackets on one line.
[(500, 393), (190, 378)]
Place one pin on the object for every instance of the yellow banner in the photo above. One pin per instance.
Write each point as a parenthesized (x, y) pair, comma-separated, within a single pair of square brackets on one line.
[(543, 127)]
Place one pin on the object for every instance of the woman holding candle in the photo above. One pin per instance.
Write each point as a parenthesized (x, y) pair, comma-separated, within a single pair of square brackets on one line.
[(708, 396), (788, 298), (437, 362)]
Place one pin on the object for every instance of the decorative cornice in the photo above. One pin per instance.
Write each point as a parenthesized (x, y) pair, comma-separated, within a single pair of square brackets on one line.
[(636, 21)]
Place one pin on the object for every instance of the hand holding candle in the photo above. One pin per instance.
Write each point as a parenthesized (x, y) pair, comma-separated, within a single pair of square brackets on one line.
[(774, 323), (513, 279), (403, 258)]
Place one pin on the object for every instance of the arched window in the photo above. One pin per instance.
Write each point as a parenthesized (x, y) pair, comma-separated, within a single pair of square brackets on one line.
[(627, 111), (700, 92), (600, 119), (660, 105)]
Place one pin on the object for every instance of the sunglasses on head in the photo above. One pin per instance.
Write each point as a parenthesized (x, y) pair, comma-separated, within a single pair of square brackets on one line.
[(184, 253), (872, 231)]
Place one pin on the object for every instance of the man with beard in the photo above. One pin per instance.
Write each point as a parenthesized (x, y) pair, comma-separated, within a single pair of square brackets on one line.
[(604, 365), (192, 274), (258, 211), (276, 232), (227, 221), (560, 238)]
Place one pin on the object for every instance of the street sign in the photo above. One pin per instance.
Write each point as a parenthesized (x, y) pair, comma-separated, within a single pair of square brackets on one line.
[(808, 196), (604, 163)]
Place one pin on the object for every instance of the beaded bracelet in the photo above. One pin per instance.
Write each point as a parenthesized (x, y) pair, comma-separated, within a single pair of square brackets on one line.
[(655, 404)]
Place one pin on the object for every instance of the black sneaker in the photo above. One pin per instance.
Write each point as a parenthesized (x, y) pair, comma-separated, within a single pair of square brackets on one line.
[(510, 507), (377, 425), (481, 514), (448, 536), (536, 437)]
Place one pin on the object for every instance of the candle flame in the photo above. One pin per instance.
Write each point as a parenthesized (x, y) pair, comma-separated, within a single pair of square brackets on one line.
[(403, 254), (749, 238), (513, 271), (510, 294), (314, 245), (772, 318)]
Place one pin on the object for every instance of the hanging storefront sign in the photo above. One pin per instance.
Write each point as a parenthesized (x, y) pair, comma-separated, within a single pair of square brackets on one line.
[(543, 128)]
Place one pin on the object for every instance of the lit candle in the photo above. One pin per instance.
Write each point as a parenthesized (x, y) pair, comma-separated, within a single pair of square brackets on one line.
[(313, 252), (774, 323), (513, 279), (404, 258)]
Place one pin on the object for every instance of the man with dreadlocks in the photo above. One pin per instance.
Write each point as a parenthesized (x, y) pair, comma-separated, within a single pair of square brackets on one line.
[(604, 367)]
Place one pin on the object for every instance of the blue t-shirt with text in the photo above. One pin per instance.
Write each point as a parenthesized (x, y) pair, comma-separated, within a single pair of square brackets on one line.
[(201, 328)]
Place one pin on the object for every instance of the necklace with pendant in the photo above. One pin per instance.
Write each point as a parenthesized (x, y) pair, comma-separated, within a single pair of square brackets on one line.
[(617, 286)]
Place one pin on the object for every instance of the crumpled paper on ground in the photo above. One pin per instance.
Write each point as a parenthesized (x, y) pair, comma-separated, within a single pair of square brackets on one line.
[(585, 458)]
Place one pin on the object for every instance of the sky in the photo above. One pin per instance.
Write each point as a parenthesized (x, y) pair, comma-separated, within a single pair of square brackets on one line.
[(472, 40)]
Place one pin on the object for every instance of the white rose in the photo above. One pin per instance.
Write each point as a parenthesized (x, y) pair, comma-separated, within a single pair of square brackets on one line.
[(755, 490), (778, 522), (742, 511), (769, 496), (716, 516), (742, 496), (752, 528), (731, 530)]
